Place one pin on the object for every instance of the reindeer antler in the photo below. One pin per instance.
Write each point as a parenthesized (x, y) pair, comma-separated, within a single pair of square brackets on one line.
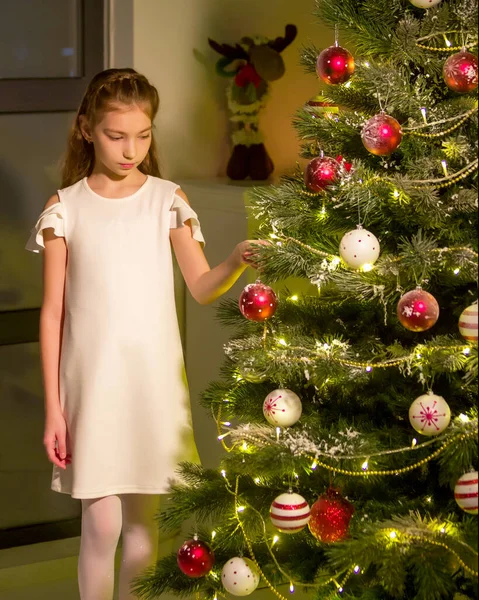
[(280, 43), (231, 52)]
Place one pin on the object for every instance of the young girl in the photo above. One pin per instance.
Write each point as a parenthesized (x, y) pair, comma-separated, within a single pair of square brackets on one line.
[(118, 417)]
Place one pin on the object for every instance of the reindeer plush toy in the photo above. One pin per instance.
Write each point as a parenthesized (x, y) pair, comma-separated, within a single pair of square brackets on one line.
[(251, 64)]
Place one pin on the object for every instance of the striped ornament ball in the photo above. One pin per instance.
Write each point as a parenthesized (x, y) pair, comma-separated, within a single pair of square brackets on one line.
[(289, 513), (465, 492), (468, 323)]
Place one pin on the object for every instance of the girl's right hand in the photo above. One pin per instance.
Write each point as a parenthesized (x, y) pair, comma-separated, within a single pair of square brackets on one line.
[(55, 440)]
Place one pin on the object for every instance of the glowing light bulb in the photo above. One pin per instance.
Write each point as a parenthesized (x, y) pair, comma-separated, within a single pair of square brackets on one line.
[(369, 369), (423, 112), (291, 587), (367, 267), (244, 446), (464, 418), (282, 341), (443, 530), (393, 535), (457, 271), (294, 298), (366, 64), (275, 540), (466, 351), (257, 480), (223, 472), (240, 508), (429, 499), (314, 465), (365, 465), (444, 168), (213, 535), (357, 569), (396, 193), (414, 442)]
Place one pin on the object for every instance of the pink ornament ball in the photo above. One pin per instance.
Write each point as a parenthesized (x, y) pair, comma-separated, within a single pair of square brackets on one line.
[(460, 72), (381, 135), (418, 310)]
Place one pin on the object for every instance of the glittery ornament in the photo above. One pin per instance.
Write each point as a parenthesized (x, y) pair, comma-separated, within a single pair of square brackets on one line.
[(258, 302), (240, 576), (429, 414), (289, 512), (335, 65), (381, 135), (460, 72), (468, 323), (418, 310), (359, 248), (195, 558), (321, 172), (330, 516), (424, 3), (465, 492), (347, 166), (282, 408)]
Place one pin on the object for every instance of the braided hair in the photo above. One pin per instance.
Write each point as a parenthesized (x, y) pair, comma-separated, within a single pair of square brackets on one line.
[(105, 92)]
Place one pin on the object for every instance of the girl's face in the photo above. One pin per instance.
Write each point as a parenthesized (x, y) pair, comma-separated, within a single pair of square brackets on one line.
[(121, 139)]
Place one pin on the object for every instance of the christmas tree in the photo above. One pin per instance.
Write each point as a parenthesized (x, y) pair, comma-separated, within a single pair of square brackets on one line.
[(349, 411)]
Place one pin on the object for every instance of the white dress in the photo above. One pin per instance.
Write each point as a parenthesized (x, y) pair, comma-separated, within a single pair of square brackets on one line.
[(121, 377)]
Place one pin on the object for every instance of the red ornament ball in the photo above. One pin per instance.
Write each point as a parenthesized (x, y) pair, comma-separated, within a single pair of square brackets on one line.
[(330, 516), (258, 302), (381, 135), (418, 310), (460, 72), (320, 172), (195, 558), (335, 65)]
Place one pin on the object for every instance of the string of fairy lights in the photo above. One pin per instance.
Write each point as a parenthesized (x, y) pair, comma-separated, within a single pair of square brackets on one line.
[(390, 535), (448, 47)]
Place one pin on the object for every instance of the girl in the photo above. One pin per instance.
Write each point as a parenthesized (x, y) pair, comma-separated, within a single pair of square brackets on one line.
[(117, 411)]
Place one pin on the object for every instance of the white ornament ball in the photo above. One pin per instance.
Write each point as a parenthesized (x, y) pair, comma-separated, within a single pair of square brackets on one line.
[(425, 3), (240, 576), (282, 408), (429, 414), (468, 323), (465, 492), (359, 248), (289, 512)]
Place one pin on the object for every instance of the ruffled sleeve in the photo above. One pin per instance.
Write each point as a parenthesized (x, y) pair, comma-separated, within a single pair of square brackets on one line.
[(53, 217), (180, 212)]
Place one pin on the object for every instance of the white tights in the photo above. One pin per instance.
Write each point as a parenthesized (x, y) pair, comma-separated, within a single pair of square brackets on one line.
[(103, 520)]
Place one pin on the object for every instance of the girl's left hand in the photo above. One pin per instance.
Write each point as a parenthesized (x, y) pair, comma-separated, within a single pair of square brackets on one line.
[(245, 251)]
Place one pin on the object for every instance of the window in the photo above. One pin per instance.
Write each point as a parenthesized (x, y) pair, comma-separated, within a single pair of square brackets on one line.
[(49, 51)]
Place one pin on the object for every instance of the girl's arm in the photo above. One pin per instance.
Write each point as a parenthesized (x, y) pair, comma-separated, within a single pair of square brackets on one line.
[(204, 283), (51, 325)]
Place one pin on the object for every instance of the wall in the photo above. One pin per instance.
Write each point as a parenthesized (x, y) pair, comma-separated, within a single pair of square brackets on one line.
[(171, 48)]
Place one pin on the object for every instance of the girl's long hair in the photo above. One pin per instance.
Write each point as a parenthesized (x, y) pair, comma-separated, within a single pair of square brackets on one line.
[(107, 89)]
